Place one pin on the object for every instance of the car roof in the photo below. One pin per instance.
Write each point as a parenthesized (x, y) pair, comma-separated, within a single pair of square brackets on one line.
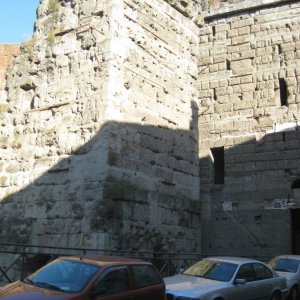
[(232, 259), (293, 256), (105, 260)]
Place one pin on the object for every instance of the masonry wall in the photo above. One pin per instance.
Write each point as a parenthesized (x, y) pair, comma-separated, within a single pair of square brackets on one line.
[(110, 105), (249, 99), (99, 142)]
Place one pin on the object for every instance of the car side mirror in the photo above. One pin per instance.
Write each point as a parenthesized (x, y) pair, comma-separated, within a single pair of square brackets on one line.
[(240, 281), (98, 291)]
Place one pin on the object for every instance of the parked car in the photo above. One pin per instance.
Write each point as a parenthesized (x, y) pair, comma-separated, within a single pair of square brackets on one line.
[(226, 278), (86, 278), (289, 267)]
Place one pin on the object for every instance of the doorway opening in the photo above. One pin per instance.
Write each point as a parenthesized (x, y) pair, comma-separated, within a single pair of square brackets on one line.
[(295, 228)]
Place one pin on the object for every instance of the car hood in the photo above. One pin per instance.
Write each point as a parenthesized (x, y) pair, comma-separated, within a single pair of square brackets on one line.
[(291, 277), (191, 285), (22, 291), (287, 275)]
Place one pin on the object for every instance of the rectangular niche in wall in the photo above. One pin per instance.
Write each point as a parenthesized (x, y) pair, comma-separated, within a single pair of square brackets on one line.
[(283, 92), (219, 165)]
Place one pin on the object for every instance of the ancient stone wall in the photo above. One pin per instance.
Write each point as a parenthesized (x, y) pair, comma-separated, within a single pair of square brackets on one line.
[(99, 142), (216, 4), (249, 80), (110, 105)]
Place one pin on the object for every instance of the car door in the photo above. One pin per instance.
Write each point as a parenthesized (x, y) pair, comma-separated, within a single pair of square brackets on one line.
[(113, 284), (243, 285), (147, 282), (263, 281)]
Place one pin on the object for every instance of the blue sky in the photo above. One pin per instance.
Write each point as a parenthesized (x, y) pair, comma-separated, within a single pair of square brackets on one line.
[(17, 20)]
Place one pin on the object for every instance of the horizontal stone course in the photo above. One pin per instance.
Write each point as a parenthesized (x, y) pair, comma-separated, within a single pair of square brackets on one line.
[(259, 50), (109, 104)]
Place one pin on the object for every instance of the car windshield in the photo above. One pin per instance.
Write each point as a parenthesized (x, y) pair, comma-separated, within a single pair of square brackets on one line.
[(284, 264), (212, 269), (63, 275)]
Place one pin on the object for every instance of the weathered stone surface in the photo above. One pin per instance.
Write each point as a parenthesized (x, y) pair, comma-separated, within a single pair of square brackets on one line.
[(259, 52), (242, 67), (110, 115), (110, 124)]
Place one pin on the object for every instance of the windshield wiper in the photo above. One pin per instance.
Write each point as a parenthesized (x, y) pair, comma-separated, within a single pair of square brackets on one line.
[(281, 270), (48, 285)]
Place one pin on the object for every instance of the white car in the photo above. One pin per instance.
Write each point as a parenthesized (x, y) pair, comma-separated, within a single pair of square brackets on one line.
[(289, 267), (226, 278)]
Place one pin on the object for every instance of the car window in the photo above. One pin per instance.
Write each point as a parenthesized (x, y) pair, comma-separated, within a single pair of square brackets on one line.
[(261, 272), (212, 269), (145, 275), (284, 264), (66, 275), (113, 281), (246, 272)]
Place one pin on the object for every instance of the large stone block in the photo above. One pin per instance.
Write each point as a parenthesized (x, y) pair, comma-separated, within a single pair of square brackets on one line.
[(242, 67)]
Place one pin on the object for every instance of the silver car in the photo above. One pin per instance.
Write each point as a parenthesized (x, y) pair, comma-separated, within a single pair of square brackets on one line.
[(226, 278), (289, 267)]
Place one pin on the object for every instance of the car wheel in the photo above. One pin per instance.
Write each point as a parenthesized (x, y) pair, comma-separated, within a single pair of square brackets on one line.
[(294, 293), (276, 296)]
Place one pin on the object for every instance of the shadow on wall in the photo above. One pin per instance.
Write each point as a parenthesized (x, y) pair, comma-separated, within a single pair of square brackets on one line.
[(136, 187), (131, 187), (249, 195)]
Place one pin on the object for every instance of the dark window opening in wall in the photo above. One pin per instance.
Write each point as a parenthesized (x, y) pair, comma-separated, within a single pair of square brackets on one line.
[(279, 49), (215, 94), (296, 184), (214, 30), (283, 137), (32, 104), (295, 230), (219, 165), (283, 92), (228, 65)]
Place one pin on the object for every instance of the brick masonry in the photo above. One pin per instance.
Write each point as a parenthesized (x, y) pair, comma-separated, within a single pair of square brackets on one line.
[(7, 54)]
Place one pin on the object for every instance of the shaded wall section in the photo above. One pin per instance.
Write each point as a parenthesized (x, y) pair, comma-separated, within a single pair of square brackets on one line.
[(250, 109), (250, 213), (135, 196), (99, 141)]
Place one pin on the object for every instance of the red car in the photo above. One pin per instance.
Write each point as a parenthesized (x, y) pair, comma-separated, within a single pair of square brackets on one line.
[(86, 278)]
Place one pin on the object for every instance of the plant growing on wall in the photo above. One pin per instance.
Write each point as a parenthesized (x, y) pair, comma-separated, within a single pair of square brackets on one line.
[(53, 7), (51, 23)]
